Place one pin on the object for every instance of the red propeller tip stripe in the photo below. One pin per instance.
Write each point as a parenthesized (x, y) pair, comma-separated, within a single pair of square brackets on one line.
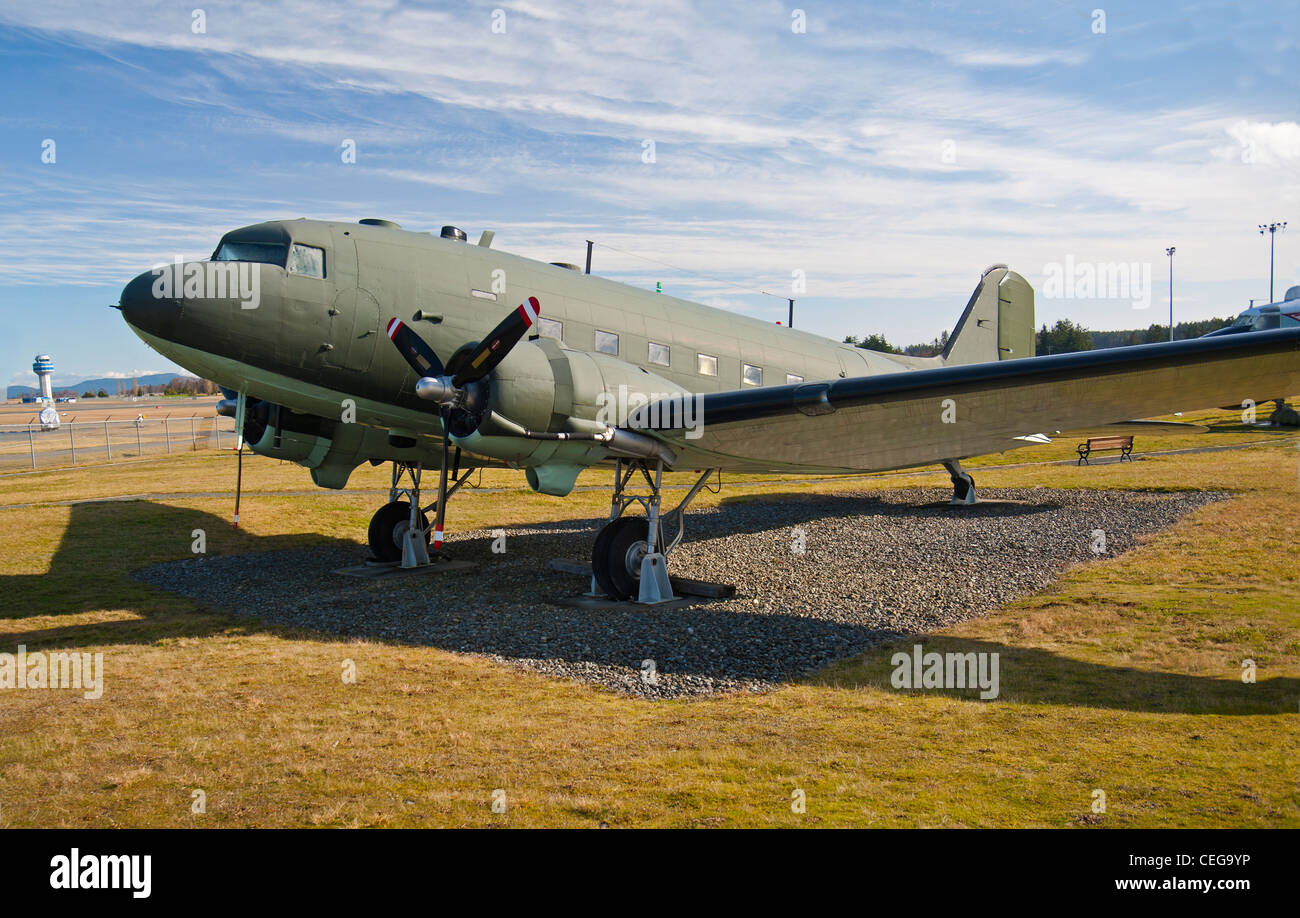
[(529, 310), (394, 325)]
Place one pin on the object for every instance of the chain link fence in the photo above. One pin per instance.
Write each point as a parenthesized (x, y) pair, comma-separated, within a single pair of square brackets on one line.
[(30, 446)]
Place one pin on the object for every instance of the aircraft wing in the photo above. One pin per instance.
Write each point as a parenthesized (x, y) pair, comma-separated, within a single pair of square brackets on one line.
[(921, 417)]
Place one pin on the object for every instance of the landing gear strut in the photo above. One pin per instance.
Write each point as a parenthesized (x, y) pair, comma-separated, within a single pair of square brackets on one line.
[(399, 530), (629, 559), (963, 486)]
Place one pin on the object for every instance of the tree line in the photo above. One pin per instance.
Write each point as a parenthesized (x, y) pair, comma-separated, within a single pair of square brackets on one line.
[(177, 385), (1064, 337)]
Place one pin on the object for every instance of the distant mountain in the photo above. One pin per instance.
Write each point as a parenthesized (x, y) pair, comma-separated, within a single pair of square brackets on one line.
[(107, 383)]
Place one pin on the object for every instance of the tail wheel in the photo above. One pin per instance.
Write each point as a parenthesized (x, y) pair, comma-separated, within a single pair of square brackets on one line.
[(616, 556), (388, 528)]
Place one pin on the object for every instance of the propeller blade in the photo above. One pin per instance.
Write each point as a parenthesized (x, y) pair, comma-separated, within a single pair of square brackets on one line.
[(498, 343), (417, 352)]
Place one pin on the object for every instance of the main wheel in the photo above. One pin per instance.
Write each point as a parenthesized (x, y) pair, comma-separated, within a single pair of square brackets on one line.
[(616, 556), (388, 528)]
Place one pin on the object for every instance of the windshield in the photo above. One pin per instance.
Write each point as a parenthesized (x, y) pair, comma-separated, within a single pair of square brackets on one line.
[(267, 253)]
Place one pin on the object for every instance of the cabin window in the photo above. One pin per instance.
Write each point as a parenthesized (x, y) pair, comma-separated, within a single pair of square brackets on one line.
[(659, 354), (751, 375), (550, 328), (606, 342), (266, 253), (306, 260), (791, 379), (706, 365)]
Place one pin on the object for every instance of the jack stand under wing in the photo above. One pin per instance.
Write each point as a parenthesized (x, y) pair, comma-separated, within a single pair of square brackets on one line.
[(963, 486)]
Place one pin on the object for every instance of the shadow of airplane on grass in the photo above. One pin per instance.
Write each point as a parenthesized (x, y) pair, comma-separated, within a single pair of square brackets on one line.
[(1031, 675), (286, 585), (90, 571)]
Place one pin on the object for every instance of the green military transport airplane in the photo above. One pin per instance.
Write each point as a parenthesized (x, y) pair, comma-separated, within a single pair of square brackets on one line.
[(349, 343)]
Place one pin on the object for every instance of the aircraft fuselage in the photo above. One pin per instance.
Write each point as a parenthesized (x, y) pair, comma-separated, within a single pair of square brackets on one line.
[(312, 336)]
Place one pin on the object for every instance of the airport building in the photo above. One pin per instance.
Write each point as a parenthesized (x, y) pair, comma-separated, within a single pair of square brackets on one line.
[(43, 367)]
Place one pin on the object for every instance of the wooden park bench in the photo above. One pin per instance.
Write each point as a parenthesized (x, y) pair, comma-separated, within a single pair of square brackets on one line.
[(1097, 444)]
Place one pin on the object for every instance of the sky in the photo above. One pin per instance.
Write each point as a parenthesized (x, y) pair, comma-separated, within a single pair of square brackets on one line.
[(868, 159)]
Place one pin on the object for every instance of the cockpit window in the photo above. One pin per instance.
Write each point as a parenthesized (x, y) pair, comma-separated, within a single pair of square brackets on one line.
[(266, 253), (306, 259)]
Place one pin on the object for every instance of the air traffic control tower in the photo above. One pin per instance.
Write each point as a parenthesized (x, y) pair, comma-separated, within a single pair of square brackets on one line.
[(43, 367)]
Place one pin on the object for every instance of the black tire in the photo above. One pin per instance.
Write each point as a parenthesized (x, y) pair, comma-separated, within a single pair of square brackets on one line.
[(387, 528), (609, 556)]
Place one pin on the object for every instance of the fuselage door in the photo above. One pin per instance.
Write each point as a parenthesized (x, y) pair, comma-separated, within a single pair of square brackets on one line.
[(353, 326), (354, 330)]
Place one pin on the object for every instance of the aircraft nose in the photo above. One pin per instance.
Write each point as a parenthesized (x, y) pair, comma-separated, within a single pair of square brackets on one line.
[(145, 308)]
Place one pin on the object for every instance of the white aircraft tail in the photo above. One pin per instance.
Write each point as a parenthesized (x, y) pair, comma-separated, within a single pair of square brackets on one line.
[(998, 323)]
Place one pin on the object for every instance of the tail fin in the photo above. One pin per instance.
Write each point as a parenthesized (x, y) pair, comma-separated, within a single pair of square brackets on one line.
[(998, 323)]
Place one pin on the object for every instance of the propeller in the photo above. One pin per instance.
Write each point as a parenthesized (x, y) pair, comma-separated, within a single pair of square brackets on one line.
[(459, 394)]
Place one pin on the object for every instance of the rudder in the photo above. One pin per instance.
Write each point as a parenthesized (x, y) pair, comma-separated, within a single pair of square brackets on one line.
[(998, 323)]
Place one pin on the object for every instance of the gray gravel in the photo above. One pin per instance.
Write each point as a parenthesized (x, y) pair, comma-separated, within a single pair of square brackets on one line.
[(877, 565)]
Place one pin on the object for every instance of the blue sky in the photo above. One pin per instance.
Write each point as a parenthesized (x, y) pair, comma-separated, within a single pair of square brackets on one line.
[(888, 151)]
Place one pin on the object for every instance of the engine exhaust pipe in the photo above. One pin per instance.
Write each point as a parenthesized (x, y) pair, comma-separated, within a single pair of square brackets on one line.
[(625, 443)]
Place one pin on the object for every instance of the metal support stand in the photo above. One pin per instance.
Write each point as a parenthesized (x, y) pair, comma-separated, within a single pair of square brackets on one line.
[(241, 408), (655, 586), (415, 552), (655, 583), (963, 486)]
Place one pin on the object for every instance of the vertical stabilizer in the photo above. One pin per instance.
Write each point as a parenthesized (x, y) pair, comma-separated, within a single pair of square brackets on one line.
[(998, 323)]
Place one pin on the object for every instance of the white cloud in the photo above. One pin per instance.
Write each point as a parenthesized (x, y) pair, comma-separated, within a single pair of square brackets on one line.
[(1265, 142), (822, 151)]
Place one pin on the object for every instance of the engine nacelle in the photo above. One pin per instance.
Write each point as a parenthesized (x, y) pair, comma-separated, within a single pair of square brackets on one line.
[(330, 449), (545, 387), (275, 431)]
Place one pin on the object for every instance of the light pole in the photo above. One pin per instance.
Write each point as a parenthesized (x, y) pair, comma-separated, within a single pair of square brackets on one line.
[(1271, 229), (1170, 252)]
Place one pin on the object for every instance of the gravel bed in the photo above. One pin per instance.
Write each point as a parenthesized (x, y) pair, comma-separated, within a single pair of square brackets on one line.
[(875, 565)]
